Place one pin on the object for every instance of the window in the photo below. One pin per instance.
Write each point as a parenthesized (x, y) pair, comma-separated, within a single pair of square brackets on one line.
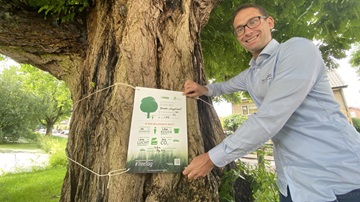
[(245, 110)]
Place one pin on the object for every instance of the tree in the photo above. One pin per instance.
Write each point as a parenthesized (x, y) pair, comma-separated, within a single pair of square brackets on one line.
[(355, 59), (332, 25), (35, 96), (55, 97), (233, 122), (16, 120), (139, 43), (132, 42)]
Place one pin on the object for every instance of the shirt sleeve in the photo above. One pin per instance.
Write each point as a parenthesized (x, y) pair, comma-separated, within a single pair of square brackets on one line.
[(235, 84), (297, 69)]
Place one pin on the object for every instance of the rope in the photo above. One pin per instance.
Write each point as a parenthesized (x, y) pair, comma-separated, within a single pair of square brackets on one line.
[(109, 174), (98, 91), (124, 84), (204, 102)]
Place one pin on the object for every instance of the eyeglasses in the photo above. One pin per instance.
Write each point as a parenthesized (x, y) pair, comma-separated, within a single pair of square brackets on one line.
[(253, 22)]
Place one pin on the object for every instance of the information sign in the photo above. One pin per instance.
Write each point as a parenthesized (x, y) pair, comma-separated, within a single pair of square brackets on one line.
[(158, 134)]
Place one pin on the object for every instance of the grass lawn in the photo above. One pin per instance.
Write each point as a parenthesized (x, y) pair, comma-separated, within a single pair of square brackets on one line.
[(39, 186), (19, 146)]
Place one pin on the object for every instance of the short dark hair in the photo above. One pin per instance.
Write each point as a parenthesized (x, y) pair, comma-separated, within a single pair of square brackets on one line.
[(245, 6)]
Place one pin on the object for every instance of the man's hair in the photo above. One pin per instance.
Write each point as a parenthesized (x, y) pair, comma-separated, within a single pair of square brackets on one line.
[(245, 6)]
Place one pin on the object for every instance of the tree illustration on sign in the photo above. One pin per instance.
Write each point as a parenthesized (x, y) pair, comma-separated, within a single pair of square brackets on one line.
[(148, 105)]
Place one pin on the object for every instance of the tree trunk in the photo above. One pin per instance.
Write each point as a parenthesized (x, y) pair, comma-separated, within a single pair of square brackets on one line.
[(147, 43)]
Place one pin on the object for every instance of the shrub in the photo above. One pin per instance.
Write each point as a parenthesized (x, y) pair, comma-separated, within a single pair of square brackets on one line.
[(58, 159), (1, 136), (13, 136), (356, 122), (30, 136), (55, 146), (226, 191), (233, 122), (10, 136), (262, 181)]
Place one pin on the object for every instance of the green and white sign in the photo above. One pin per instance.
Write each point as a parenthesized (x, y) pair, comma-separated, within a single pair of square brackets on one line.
[(158, 134)]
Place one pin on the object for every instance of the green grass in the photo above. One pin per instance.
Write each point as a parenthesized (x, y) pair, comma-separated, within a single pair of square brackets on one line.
[(39, 186), (19, 146)]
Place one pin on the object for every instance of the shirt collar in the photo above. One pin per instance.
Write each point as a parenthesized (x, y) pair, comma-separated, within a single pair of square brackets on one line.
[(269, 49)]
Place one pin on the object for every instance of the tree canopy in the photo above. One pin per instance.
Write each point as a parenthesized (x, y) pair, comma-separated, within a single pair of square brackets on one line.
[(355, 58), (65, 10), (37, 96), (55, 97), (233, 122), (18, 109), (333, 25)]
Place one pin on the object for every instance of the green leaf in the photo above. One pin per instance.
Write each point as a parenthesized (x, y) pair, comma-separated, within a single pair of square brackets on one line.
[(333, 25)]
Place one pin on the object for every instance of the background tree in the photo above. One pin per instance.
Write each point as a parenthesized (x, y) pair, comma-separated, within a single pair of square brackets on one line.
[(233, 122), (16, 120), (355, 59), (32, 97), (142, 43), (332, 25), (55, 97)]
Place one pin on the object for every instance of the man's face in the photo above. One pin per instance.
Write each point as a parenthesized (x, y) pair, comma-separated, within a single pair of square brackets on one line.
[(255, 39)]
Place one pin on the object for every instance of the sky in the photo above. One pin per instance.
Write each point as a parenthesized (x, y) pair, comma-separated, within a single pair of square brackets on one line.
[(7, 63), (350, 77)]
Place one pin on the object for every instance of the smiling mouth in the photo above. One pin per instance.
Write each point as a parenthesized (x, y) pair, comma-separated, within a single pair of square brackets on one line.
[(252, 39)]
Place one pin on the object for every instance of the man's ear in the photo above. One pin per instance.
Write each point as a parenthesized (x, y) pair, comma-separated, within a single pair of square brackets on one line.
[(271, 22)]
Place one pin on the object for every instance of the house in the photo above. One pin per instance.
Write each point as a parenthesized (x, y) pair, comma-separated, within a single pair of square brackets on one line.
[(247, 107), (354, 112)]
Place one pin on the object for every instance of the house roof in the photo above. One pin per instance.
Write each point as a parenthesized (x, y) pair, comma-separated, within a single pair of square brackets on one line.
[(335, 80)]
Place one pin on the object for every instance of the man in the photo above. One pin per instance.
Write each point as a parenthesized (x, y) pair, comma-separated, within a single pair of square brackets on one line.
[(316, 150)]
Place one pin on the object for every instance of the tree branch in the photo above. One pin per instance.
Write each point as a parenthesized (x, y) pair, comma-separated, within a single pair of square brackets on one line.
[(27, 37)]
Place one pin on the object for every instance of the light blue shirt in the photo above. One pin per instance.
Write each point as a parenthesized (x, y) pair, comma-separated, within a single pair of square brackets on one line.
[(316, 150)]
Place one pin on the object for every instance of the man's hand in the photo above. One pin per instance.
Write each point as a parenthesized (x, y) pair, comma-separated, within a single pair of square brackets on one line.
[(192, 89), (200, 166)]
